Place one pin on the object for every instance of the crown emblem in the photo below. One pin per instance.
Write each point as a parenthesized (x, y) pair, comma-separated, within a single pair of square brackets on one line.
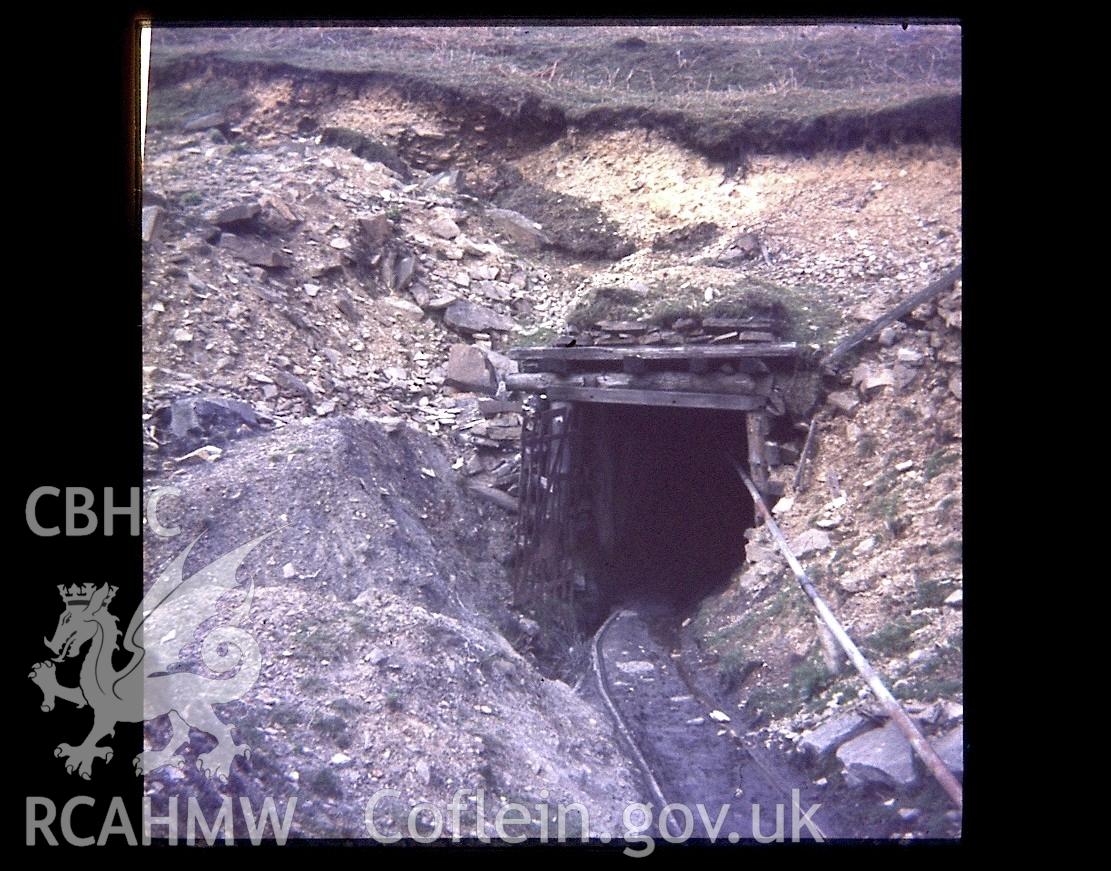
[(82, 594)]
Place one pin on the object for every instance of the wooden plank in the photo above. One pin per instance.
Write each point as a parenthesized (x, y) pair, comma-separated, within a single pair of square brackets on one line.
[(900, 311), (661, 398), (743, 337), (538, 382), (800, 475), (681, 381), (615, 354)]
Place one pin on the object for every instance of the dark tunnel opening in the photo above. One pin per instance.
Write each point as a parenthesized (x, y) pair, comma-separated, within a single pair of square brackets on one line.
[(666, 511)]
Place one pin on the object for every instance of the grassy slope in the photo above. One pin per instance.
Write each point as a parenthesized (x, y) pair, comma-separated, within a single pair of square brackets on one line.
[(718, 88)]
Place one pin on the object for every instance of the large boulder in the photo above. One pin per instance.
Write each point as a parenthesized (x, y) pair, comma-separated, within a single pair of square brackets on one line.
[(881, 757), (502, 364), (364, 146), (189, 423)]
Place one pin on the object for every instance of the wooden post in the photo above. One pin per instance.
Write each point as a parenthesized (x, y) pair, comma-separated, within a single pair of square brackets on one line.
[(757, 431), (800, 475)]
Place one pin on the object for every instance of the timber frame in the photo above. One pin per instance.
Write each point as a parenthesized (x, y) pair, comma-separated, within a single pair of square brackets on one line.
[(739, 377)]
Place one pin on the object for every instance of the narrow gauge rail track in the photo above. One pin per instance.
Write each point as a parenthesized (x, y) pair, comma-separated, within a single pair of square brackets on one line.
[(689, 753)]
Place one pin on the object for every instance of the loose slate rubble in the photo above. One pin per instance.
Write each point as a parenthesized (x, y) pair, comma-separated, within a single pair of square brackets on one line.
[(365, 147), (341, 315), (691, 329)]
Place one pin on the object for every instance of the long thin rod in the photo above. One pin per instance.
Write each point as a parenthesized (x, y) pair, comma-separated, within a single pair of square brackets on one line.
[(910, 731)]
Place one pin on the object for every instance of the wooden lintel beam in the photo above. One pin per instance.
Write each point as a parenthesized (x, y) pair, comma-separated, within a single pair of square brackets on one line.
[(686, 382), (615, 354), (659, 398)]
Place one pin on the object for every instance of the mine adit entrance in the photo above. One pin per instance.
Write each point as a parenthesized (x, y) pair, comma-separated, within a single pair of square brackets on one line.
[(627, 492), (664, 511)]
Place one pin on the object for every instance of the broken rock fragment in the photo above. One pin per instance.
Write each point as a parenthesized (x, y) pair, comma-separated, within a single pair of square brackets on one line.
[(517, 227), (255, 253), (881, 757), (810, 541), (845, 401), (236, 218), (468, 317), (186, 424), (204, 122), (152, 218), (468, 369), (444, 227), (402, 307), (823, 740), (374, 232)]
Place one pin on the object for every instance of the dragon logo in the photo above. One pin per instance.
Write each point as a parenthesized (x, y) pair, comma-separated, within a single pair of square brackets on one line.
[(164, 624)]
